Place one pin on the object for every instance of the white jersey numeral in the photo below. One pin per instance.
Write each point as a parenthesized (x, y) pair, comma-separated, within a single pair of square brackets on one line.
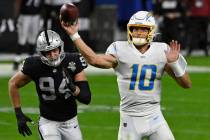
[(82, 60), (47, 84)]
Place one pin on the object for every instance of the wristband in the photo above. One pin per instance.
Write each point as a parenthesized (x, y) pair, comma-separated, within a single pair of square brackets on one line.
[(179, 66), (75, 36)]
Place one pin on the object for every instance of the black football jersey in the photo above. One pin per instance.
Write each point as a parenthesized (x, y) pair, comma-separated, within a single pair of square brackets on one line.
[(30, 7), (56, 103)]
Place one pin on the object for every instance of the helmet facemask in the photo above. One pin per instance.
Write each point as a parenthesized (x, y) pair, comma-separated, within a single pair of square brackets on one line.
[(141, 19), (48, 41), (51, 61)]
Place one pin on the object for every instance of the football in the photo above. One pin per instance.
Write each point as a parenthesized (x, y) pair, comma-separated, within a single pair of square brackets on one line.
[(69, 13)]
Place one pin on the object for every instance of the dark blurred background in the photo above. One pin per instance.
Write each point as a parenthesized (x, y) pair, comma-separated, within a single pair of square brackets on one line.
[(104, 21)]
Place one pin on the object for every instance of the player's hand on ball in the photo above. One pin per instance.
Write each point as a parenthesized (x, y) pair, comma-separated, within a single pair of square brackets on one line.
[(69, 15), (173, 53), (70, 29)]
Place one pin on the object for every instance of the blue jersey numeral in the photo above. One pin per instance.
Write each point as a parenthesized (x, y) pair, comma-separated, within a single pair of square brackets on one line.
[(142, 77)]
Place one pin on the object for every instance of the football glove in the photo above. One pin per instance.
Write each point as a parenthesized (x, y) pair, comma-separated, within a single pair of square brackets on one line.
[(22, 120), (69, 82)]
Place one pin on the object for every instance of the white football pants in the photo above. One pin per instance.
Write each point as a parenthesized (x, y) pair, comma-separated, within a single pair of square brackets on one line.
[(154, 127), (53, 130)]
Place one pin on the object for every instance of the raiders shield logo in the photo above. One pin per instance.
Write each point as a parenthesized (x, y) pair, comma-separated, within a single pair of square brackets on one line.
[(72, 66)]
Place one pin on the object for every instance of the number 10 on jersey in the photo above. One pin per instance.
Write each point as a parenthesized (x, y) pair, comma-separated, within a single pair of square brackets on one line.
[(145, 79)]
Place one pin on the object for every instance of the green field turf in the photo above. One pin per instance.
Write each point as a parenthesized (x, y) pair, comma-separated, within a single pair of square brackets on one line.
[(187, 111), (198, 60)]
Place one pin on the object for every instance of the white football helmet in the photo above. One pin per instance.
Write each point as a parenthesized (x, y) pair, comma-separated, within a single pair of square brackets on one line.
[(49, 40), (141, 19)]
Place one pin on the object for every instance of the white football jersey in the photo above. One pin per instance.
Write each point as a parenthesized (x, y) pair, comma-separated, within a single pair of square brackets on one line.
[(139, 76)]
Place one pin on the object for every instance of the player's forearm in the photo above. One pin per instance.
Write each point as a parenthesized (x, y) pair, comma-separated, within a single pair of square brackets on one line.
[(15, 99), (86, 51), (178, 68), (184, 81), (84, 95), (14, 94), (100, 61)]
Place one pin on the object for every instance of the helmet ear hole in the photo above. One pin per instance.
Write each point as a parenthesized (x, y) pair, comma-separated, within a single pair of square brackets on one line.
[(44, 53), (59, 49), (131, 28)]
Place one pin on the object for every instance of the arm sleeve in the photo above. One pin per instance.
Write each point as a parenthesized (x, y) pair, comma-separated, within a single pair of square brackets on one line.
[(85, 93)]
